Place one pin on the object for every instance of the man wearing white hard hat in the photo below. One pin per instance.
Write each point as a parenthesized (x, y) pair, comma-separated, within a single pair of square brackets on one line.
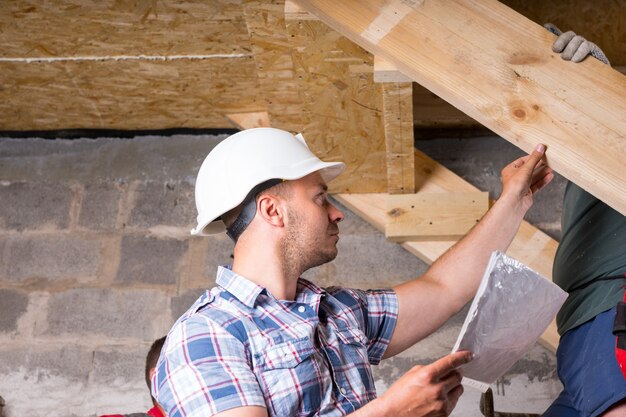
[(265, 342)]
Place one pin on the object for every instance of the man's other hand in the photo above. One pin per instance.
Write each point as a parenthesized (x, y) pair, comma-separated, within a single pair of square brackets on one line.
[(426, 391)]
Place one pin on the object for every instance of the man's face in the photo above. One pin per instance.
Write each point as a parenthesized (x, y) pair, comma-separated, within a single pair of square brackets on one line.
[(312, 230)]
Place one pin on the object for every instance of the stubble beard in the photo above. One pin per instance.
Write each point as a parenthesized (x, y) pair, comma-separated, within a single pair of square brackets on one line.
[(303, 250)]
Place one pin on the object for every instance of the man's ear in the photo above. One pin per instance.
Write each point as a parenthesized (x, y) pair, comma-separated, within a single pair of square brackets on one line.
[(271, 209)]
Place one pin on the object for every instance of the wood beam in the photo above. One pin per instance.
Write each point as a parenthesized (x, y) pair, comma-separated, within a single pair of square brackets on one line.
[(398, 122), (433, 216), (530, 246), (398, 125), (497, 66)]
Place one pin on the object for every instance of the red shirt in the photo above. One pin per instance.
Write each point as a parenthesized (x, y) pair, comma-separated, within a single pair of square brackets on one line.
[(154, 412)]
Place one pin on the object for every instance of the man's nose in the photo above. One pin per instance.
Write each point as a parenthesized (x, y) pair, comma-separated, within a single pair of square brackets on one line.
[(334, 214)]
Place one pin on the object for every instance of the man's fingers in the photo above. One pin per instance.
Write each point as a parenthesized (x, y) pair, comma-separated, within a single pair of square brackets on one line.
[(449, 362), (534, 158), (540, 171), (542, 182), (451, 381), (453, 397)]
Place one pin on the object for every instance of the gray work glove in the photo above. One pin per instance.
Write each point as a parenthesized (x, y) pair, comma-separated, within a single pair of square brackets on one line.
[(573, 47)]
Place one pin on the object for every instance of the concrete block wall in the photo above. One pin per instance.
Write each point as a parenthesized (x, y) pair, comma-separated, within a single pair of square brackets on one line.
[(96, 262)]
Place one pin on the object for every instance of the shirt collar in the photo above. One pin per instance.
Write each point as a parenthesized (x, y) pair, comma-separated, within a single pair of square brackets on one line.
[(241, 288), (247, 291)]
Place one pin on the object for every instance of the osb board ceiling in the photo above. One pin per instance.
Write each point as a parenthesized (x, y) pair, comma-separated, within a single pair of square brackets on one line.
[(124, 65), (125, 94), (73, 28)]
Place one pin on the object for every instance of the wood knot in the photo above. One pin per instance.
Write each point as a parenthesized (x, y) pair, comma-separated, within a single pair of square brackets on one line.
[(395, 212), (519, 113)]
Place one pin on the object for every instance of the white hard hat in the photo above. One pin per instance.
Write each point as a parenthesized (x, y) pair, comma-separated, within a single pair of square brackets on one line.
[(243, 161)]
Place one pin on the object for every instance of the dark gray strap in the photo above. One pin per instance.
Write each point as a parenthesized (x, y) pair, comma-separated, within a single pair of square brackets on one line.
[(249, 210)]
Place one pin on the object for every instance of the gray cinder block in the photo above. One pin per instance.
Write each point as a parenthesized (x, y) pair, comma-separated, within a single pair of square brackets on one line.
[(170, 203), (12, 305), (50, 256), (112, 313), (99, 206), (35, 206), (150, 260)]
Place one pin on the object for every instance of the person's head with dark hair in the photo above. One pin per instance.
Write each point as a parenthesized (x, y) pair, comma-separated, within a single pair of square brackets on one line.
[(151, 361)]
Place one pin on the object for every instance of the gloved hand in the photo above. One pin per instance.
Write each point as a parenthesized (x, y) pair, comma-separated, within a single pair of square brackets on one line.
[(573, 47)]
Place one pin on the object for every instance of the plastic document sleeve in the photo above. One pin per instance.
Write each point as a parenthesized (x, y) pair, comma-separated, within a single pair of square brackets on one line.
[(512, 308)]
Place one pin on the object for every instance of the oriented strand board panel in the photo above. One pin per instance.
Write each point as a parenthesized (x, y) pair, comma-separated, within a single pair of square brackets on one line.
[(433, 216), (249, 120), (265, 21), (75, 28), (124, 65), (125, 94), (342, 108), (497, 66), (531, 246)]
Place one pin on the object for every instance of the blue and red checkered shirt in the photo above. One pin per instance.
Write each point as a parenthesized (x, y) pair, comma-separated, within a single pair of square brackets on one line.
[(239, 346)]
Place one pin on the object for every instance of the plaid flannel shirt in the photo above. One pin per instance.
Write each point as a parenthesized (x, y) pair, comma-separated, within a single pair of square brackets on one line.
[(239, 346)]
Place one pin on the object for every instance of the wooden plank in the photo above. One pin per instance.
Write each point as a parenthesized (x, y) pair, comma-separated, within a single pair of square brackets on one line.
[(249, 120), (433, 216), (341, 107), (531, 246), (126, 94), (398, 125), (498, 67)]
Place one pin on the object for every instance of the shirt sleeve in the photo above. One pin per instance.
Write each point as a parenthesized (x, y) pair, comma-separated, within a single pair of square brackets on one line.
[(376, 312), (203, 370)]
